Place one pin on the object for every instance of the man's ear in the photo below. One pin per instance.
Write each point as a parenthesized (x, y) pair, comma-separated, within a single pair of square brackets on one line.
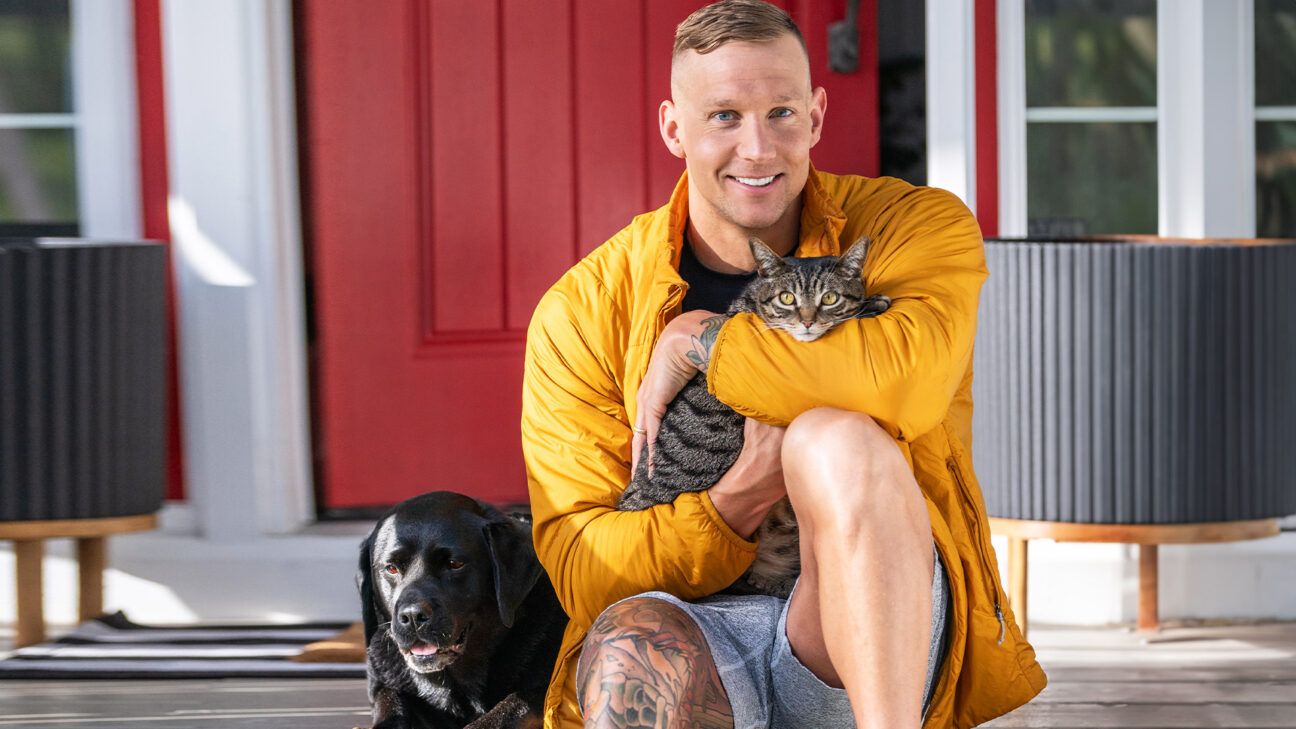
[(818, 107), (668, 123)]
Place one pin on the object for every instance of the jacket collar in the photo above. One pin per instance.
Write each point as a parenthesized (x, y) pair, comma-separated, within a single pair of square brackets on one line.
[(822, 221)]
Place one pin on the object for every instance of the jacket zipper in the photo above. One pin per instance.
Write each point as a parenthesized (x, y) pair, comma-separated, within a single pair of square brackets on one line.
[(993, 570)]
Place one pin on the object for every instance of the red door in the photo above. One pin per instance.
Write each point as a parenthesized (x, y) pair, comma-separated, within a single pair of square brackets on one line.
[(458, 157)]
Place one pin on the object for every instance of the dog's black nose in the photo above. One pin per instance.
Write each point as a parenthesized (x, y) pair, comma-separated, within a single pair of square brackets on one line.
[(414, 615)]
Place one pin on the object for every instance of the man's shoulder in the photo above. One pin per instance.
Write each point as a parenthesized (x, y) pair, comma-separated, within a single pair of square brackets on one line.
[(857, 194), (603, 281)]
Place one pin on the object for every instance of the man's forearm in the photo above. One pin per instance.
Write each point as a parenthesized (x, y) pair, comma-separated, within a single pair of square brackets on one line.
[(742, 504)]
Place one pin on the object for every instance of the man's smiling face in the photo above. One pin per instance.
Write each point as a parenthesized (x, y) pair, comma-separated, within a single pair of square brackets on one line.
[(744, 118)]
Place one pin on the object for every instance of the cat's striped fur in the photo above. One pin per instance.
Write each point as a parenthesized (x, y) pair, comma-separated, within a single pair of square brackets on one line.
[(701, 437)]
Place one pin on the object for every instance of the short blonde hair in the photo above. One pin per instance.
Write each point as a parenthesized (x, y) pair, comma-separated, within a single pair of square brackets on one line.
[(733, 20)]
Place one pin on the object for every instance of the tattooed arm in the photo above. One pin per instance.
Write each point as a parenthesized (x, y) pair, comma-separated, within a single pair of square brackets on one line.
[(682, 351), (754, 483), (646, 664)]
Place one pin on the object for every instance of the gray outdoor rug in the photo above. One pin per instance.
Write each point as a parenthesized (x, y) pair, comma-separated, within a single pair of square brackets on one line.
[(113, 647)]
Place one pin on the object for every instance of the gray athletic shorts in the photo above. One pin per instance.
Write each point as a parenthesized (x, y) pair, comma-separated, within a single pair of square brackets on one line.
[(766, 684)]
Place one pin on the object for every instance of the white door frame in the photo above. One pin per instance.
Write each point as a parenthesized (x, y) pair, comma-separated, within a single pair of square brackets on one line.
[(951, 98), (235, 225)]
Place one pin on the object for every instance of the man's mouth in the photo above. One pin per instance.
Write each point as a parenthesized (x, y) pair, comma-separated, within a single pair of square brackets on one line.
[(755, 181)]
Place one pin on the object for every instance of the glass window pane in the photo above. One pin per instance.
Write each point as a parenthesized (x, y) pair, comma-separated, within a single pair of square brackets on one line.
[(35, 58), (1276, 179), (1091, 178), (1275, 49), (37, 176), (1091, 53)]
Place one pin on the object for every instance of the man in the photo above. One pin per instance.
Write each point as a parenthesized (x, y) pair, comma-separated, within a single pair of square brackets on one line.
[(897, 619)]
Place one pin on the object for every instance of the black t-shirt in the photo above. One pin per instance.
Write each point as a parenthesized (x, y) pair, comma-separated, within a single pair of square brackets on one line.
[(708, 290)]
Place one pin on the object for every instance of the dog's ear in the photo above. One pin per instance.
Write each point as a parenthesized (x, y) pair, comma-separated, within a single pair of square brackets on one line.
[(364, 581), (514, 563)]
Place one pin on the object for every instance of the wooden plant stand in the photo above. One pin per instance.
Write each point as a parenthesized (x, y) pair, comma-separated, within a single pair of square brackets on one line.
[(92, 558), (1147, 536)]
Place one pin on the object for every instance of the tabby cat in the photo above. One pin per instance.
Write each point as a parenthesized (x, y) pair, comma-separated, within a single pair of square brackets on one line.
[(700, 437)]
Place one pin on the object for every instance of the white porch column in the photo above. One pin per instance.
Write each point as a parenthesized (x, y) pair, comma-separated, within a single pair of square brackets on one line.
[(1206, 115), (231, 140), (951, 98)]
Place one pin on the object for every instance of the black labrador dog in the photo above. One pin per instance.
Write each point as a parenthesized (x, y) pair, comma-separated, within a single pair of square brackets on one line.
[(461, 622)]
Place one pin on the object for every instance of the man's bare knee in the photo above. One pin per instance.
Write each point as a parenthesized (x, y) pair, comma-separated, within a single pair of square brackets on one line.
[(833, 431), (825, 449), (643, 655)]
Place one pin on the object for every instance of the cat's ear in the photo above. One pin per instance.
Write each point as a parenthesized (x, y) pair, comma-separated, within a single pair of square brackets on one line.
[(768, 262), (852, 261)]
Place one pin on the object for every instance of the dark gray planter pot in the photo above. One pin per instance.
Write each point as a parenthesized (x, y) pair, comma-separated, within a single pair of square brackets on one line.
[(82, 379), (1137, 381)]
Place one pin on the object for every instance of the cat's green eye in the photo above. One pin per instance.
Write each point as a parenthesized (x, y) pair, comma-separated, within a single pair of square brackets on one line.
[(786, 298), (829, 298)]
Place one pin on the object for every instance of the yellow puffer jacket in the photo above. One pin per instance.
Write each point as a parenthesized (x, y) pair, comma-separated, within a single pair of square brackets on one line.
[(910, 368)]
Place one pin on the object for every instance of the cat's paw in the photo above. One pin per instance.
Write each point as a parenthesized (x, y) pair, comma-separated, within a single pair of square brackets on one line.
[(875, 305)]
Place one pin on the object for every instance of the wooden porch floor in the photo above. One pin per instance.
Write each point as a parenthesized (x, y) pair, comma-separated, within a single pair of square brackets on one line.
[(1228, 676)]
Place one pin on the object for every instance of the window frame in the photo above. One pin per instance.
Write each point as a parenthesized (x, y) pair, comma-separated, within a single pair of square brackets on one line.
[(1193, 136), (103, 122)]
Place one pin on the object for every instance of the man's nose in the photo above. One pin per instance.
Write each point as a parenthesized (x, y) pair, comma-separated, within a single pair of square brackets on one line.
[(756, 142)]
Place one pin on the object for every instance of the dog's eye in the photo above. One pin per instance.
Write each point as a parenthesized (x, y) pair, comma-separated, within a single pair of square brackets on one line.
[(392, 569), (456, 564)]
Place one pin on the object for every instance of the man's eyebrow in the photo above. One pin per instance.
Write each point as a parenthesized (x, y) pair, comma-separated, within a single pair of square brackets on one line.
[(726, 103)]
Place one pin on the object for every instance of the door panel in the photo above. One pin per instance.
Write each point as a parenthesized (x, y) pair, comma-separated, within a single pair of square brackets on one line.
[(457, 158)]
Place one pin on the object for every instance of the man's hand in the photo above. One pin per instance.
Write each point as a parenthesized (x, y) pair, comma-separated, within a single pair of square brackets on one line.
[(683, 350), (754, 483)]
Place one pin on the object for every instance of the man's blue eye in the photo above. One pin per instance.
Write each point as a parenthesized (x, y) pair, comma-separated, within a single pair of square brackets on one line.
[(782, 113), (723, 116)]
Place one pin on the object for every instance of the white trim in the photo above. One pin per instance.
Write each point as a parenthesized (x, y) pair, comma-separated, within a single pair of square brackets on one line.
[(106, 128), (1011, 33), (951, 98), (235, 227), (1206, 110), (37, 121), (1275, 113), (1086, 114)]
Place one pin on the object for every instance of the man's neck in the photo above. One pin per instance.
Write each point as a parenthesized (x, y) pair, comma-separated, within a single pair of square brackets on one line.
[(725, 249)]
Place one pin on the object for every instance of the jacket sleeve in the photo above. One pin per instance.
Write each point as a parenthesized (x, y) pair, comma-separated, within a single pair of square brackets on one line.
[(902, 367), (576, 444)]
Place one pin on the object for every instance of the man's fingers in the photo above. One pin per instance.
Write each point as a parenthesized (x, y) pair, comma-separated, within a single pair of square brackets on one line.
[(636, 447), (652, 441)]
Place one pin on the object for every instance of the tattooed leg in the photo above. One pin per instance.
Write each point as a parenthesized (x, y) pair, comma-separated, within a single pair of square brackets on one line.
[(646, 664)]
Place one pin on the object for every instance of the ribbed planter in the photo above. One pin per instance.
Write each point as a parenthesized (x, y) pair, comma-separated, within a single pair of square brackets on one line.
[(82, 379), (1137, 381)]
